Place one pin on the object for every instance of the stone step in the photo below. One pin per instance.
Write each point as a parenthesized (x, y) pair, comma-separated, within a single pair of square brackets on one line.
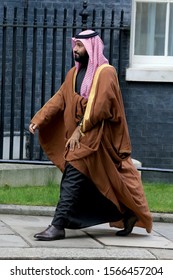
[(17, 175)]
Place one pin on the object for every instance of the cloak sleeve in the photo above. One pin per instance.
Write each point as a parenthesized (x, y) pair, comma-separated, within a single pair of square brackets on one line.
[(50, 110), (50, 122)]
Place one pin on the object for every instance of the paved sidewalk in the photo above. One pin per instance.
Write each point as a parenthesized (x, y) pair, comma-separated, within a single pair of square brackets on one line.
[(18, 225)]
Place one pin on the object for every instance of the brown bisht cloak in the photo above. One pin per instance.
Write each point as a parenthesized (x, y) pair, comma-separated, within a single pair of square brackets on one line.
[(105, 150)]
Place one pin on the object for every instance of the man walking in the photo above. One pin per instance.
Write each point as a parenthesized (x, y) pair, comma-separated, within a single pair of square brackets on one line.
[(83, 131)]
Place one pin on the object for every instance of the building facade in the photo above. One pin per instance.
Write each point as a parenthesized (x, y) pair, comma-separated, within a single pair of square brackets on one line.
[(146, 77)]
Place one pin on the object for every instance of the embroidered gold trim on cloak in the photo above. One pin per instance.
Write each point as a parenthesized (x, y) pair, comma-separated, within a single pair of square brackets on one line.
[(92, 94)]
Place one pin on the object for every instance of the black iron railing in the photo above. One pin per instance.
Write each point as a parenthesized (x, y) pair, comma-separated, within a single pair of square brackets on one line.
[(35, 55)]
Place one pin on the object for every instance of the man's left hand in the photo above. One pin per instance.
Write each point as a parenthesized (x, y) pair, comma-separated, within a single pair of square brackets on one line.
[(74, 140)]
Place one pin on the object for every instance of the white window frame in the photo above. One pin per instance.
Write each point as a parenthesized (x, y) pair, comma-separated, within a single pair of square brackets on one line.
[(148, 68)]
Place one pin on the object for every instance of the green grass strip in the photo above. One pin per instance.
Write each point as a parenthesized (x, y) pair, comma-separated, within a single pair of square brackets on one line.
[(29, 195), (159, 196)]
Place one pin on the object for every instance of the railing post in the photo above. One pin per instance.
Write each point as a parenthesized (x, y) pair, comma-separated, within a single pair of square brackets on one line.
[(54, 42), (23, 85), (29, 137), (103, 25), (120, 44), (3, 78), (64, 46), (84, 14), (44, 56), (13, 85), (111, 37)]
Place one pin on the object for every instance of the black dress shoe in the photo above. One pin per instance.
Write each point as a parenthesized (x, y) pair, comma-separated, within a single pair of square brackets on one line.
[(128, 226), (50, 233)]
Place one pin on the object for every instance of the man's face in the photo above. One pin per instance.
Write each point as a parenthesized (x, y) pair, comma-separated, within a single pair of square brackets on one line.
[(80, 53)]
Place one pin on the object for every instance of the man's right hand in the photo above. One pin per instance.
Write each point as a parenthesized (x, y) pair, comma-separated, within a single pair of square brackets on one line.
[(33, 127)]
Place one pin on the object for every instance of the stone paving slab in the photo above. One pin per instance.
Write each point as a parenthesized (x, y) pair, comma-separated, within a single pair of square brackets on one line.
[(12, 241), (74, 254), (166, 231), (27, 226), (98, 242), (4, 229), (162, 254), (138, 238)]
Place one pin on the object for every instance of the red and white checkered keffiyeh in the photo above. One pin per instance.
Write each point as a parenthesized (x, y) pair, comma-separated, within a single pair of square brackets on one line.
[(94, 47)]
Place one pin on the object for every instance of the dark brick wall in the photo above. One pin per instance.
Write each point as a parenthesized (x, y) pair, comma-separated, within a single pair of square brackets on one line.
[(149, 110), (150, 118), (148, 106), (99, 5)]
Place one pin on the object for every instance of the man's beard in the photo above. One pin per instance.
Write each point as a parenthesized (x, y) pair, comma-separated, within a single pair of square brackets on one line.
[(83, 59)]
